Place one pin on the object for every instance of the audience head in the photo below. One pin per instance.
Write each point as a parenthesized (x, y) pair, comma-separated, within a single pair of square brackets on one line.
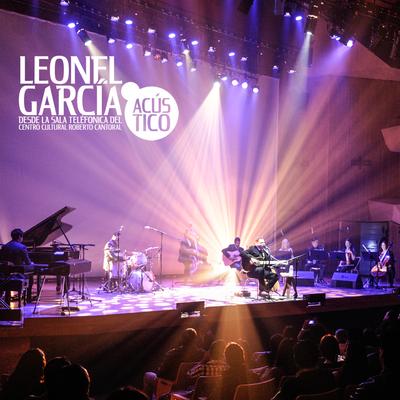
[(234, 354), (290, 332), (127, 393), (52, 371), (31, 365), (74, 382), (329, 348), (217, 350), (284, 358), (342, 336), (306, 354), (189, 337), (274, 342)]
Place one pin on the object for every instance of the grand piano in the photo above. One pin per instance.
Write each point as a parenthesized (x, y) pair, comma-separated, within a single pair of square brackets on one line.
[(55, 259), (60, 260)]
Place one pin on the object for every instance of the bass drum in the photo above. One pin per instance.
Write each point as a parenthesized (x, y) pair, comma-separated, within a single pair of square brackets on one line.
[(135, 281), (148, 281)]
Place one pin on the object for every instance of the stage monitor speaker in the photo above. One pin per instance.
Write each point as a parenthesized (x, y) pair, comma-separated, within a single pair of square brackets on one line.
[(315, 299), (190, 309), (347, 280), (305, 278)]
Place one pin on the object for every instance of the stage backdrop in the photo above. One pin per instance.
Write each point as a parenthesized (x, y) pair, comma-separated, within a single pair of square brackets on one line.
[(215, 168)]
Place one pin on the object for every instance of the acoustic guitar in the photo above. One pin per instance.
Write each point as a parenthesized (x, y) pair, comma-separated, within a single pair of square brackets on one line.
[(234, 256)]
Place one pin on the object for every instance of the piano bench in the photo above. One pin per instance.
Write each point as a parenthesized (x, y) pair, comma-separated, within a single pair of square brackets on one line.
[(14, 284)]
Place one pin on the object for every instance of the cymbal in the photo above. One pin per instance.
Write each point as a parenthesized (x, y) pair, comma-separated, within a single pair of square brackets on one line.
[(152, 248)]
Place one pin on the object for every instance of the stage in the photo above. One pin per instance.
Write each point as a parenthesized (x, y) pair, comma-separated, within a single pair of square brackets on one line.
[(100, 312)]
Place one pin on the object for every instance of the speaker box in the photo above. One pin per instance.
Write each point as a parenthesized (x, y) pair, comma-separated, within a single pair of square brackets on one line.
[(347, 280), (305, 278)]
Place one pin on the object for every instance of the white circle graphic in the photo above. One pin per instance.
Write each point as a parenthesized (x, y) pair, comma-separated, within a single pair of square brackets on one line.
[(151, 113)]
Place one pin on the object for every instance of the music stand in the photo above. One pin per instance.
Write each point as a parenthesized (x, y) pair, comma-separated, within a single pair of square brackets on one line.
[(372, 257)]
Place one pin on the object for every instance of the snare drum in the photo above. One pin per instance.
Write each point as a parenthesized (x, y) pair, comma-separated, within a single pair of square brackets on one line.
[(137, 259)]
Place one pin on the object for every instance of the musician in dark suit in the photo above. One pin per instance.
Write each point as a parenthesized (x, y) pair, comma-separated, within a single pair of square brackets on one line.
[(255, 261), (233, 252), (313, 264), (15, 252)]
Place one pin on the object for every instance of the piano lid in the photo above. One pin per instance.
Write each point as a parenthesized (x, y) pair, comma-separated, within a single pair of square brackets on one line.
[(48, 229)]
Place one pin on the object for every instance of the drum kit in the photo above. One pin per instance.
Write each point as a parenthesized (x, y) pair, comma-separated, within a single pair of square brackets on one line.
[(135, 273)]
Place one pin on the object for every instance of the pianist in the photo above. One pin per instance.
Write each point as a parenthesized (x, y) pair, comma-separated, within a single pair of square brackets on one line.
[(17, 253)]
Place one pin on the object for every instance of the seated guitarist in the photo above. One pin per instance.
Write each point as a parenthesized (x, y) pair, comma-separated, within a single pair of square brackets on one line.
[(256, 261), (232, 254)]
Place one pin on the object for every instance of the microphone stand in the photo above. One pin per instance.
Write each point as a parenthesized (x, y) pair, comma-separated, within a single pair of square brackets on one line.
[(162, 233), (296, 267)]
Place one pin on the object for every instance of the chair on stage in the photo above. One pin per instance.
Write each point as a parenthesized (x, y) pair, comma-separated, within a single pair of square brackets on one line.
[(335, 394), (264, 390)]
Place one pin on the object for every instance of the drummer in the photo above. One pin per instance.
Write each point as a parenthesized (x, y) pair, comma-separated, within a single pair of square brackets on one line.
[(112, 263)]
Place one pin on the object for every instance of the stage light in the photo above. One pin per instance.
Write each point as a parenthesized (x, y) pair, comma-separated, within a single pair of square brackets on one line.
[(151, 30), (245, 85), (128, 21), (179, 62), (195, 42), (299, 18), (334, 36), (275, 68), (129, 45), (256, 89), (64, 3), (193, 66), (311, 24), (172, 35), (212, 49), (114, 18), (287, 14), (291, 71), (147, 51), (235, 82), (83, 35), (185, 52), (350, 43), (231, 54), (224, 77), (71, 25), (164, 58), (110, 40), (244, 58), (217, 84)]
